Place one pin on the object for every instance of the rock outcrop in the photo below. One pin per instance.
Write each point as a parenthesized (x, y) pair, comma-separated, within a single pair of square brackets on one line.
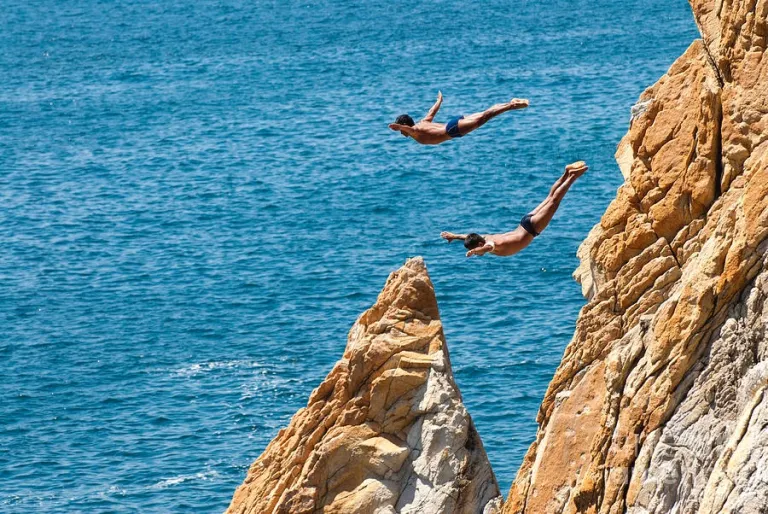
[(386, 431), (660, 404)]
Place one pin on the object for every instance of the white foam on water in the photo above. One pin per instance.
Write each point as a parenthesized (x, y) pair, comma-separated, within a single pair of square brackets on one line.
[(170, 482), (200, 368)]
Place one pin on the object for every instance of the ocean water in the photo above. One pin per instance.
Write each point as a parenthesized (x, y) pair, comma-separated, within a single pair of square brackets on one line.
[(197, 199)]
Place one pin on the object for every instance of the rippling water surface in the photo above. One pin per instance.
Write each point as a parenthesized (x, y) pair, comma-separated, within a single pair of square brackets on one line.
[(198, 198)]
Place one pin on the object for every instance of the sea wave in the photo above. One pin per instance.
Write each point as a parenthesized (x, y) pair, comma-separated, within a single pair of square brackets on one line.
[(201, 368), (174, 481)]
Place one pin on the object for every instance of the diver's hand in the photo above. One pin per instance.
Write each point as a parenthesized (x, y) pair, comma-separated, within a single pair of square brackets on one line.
[(449, 236)]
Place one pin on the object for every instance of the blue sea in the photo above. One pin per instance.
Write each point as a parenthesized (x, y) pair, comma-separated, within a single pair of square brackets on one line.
[(197, 199)]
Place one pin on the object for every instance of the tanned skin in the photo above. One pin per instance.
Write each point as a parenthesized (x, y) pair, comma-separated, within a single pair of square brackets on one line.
[(512, 242), (428, 132)]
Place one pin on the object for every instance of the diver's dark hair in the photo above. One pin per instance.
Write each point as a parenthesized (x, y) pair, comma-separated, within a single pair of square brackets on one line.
[(404, 119), (473, 241)]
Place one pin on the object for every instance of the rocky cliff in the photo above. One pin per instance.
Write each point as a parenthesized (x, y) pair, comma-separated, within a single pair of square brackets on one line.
[(386, 431), (660, 404)]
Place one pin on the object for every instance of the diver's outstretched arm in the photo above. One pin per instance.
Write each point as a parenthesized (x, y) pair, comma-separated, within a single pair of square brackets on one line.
[(402, 128), (450, 236), (480, 250), (433, 111)]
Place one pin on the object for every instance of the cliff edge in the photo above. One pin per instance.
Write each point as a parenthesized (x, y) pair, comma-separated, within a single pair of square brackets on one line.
[(660, 403), (386, 431)]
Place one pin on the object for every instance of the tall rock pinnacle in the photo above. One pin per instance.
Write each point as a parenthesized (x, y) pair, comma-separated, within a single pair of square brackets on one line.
[(386, 431)]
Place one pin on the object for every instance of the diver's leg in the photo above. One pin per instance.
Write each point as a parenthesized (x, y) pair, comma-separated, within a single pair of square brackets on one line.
[(547, 209), (552, 190), (477, 120)]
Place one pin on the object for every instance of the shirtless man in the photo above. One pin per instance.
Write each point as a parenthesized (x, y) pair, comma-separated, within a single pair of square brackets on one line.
[(531, 225), (427, 132)]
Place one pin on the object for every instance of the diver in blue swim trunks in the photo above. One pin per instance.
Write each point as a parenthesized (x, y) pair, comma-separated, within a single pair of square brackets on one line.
[(530, 226), (428, 132)]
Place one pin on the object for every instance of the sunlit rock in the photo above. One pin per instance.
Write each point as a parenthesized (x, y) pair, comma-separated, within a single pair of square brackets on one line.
[(386, 431)]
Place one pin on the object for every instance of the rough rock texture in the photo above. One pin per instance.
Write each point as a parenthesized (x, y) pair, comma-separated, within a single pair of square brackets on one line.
[(386, 431), (660, 404)]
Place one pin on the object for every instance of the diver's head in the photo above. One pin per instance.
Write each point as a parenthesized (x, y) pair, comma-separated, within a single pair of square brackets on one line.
[(473, 241), (406, 120)]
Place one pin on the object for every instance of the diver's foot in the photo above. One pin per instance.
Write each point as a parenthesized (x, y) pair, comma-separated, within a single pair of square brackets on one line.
[(577, 168), (518, 103)]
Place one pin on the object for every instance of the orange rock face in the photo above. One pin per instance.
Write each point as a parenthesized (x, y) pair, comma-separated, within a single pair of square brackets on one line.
[(386, 430), (675, 274)]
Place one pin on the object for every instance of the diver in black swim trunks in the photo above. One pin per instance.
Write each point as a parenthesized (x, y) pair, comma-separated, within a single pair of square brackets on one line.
[(531, 225), (427, 132)]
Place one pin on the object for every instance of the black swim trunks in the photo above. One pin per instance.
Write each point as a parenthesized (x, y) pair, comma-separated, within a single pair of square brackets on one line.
[(527, 224), (452, 128)]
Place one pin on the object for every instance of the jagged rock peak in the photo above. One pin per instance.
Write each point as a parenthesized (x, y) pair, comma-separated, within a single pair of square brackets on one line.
[(386, 431)]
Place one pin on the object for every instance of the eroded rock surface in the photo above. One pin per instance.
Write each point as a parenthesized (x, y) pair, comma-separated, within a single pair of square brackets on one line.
[(386, 431), (659, 404)]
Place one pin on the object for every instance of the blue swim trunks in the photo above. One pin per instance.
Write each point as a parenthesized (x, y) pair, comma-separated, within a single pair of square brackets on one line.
[(452, 128), (527, 224)]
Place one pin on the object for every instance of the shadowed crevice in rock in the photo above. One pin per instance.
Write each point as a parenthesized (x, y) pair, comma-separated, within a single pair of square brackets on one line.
[(712, 63), (719, 150)]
